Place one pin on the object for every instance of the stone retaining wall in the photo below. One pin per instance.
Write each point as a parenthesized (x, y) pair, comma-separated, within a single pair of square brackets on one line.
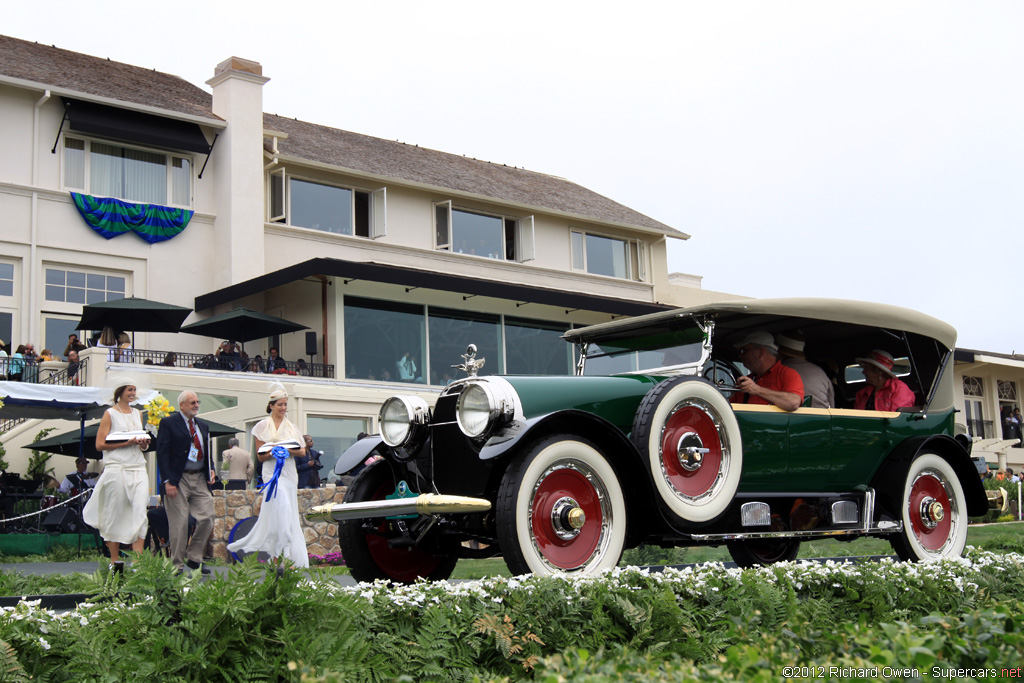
[(231, 507)]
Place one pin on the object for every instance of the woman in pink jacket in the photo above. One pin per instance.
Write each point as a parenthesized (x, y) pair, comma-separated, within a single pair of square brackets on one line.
[(884, 391)]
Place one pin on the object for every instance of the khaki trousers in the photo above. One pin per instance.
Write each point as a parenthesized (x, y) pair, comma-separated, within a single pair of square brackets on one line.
[(193, 496)]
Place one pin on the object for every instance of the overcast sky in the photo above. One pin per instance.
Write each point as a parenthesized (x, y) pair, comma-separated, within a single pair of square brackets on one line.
[(862, 150)]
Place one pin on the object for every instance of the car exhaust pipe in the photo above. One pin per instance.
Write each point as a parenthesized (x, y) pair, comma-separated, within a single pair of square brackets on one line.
[(423, 504)]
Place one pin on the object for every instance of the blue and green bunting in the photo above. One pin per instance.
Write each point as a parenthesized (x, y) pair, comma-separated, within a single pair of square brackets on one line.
[(112, 217)]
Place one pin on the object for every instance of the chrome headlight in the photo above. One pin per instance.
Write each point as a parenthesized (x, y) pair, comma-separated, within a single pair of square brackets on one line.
[(482, 407), (403, 420)]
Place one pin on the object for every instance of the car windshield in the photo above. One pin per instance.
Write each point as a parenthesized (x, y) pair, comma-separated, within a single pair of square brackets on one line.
[(643, 353)]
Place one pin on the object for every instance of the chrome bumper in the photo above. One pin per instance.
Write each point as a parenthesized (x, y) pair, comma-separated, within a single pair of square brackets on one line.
[(424, 504)]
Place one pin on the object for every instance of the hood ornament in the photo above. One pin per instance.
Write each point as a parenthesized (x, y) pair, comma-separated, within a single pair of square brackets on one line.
[(470, 365)]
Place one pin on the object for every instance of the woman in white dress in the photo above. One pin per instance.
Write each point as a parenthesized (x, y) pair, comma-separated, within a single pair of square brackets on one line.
[(120, 499), (277, 531)]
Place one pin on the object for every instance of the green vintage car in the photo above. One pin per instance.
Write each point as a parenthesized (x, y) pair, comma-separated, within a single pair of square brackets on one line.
[(562, 474)]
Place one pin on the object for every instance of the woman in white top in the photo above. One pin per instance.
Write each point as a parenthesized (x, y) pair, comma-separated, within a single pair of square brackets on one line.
[(108, 340), (118, 504), (277, 530)]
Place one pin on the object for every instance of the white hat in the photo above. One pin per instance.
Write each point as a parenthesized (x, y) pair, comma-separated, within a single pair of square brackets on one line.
[(882, 360), (759, 337), (790, 343), (277, 392)]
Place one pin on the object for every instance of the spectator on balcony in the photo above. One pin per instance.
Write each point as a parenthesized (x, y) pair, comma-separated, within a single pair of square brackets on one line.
[(302, 368), (108, 340), (256, 364), (16, 366), (73, 367), (229, 355), (124, 347), (1020, 424), (407, 370), (4, 360), (275, 362), (73, 343), (46, 355), (170, 360), (31, 371)]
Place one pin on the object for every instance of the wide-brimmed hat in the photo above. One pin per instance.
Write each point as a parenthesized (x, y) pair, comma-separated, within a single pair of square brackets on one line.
[(882, 360), (792, 342), (759, 337)]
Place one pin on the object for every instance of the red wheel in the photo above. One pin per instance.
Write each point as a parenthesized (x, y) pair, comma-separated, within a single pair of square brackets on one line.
[(368, 553), (691, 439), (933, 511), (561, 509)]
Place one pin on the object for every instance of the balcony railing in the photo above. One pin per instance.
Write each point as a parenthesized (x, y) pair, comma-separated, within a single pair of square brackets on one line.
[(209, 361)]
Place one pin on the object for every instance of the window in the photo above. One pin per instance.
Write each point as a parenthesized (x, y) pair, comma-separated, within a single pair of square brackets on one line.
[(333, 436), (609, 256), (134, 175), (379, 335), (975, 419), (78, 287), (56, 330), (7, 332), (6, 279), (452, 331), (533, 347), (973, 386), (480, 234), (330, 208)]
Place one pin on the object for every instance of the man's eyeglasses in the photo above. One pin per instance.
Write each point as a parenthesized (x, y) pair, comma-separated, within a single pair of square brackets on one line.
[(194, 403)]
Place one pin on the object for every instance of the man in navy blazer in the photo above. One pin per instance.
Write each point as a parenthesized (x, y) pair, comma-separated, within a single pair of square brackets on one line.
[(187, 470)]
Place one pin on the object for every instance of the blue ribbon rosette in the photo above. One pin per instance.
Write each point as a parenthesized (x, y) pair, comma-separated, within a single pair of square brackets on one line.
[(281, 455)]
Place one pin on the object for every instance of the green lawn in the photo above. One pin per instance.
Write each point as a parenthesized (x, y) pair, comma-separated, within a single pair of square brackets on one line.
[(994, 537)]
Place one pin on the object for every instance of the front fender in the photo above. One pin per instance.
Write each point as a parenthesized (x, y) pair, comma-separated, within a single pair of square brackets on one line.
[(542, 425), (357, 453)]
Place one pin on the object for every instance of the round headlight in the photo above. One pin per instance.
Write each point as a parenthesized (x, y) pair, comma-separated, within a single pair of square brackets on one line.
[(403, 419)]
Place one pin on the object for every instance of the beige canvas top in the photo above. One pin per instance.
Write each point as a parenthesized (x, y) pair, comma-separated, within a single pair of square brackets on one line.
[(838, 310)]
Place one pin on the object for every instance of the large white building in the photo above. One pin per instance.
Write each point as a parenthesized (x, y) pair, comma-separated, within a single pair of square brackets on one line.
[(382, 249)]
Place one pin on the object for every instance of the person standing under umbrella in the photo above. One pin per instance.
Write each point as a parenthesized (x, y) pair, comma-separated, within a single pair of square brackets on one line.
[(118, 504)]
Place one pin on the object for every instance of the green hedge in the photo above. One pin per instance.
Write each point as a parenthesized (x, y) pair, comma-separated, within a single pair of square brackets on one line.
[(702, 623)]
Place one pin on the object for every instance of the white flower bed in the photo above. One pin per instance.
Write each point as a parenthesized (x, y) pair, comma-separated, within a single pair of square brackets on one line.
[(803, 577)]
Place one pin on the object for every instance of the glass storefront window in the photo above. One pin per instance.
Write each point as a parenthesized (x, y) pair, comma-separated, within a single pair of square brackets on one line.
[(533, 347), (452, 331), (379, 335)]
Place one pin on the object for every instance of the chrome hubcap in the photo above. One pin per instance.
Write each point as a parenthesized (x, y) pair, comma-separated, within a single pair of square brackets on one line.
[(567, 518), (690, 451), (932, 512)]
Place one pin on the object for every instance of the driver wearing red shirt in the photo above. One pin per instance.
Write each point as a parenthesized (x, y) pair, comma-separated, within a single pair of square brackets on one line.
[(771, 382)]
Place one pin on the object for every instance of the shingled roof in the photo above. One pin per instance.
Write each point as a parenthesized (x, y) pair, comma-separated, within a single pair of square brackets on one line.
[(77, 72), (392, 159)]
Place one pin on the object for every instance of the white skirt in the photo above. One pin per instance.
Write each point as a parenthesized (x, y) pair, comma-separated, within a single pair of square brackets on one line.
[(119, 503), (277, 531)]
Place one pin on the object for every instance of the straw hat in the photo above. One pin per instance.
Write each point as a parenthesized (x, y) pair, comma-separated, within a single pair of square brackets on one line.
[(882, 360)]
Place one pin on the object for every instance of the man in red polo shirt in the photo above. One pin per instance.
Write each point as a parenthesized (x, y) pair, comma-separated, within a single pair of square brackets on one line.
[(771, 382)]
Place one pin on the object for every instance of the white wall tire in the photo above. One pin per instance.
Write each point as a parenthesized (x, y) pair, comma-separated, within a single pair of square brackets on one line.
[(934, 512), (538, 493), (687, 411)]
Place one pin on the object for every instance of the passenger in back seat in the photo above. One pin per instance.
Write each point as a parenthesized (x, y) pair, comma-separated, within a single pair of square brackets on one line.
[(884, 391)]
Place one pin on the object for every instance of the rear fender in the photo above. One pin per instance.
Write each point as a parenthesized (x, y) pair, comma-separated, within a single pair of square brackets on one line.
[(890, 476)]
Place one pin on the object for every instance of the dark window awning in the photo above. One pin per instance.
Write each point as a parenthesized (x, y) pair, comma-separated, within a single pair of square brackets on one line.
[(134, 126), (412, 277)]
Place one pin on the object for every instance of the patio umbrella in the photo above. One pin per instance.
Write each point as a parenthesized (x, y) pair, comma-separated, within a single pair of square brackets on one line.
[(69, 443), (242, 325), (133, 314)]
